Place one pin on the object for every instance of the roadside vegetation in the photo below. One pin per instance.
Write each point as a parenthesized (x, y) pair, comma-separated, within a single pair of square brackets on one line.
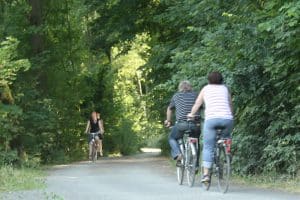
[(14, 179), (269, 181)]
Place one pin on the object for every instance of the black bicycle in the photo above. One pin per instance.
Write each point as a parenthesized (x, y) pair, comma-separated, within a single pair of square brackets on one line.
[(189, 149), (222, 160)]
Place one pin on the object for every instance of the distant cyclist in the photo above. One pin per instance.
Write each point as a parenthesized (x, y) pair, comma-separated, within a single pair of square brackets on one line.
[(218, 113), (95, 125), (182, 102)]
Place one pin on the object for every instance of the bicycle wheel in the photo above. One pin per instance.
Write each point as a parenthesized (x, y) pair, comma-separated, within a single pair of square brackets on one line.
[(180, 174), (191, 164), (94, 153), (180, 169), (223, 169)]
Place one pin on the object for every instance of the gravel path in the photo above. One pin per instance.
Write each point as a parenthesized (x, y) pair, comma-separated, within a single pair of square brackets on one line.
[(141, 177)]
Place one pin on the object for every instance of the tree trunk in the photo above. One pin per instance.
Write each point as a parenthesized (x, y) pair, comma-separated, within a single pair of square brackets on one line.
[(36, 19)]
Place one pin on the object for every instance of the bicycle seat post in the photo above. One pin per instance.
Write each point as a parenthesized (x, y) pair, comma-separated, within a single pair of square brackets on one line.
[(219, 133)]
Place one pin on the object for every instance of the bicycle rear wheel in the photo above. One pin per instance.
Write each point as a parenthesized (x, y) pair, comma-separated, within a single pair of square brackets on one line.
[(191, 164), (223, 170)]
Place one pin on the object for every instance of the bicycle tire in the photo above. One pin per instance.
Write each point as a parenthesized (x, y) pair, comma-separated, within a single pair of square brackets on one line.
[(191, 164), (223, 170), (180, 174), (94, 153), (180, 169)]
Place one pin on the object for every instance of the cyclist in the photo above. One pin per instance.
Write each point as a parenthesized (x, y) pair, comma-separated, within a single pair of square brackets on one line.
[(94, 125), (182, 102), (218, 113)]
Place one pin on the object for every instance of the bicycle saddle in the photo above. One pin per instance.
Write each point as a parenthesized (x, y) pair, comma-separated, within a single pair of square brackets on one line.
[(219, 128)]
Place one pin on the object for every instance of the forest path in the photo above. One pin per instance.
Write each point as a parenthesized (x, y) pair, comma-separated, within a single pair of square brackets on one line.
[(145, 176)]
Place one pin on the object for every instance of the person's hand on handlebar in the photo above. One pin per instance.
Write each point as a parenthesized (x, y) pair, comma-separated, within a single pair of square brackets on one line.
[(190, 115), (193, 117), (168, 123)]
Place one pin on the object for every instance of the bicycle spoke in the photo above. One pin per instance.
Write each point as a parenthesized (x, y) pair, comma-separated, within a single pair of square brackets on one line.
[(191, 169), (223, 170), (180, 173)]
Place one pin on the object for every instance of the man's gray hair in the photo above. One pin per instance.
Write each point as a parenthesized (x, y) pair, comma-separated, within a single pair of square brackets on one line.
[(185, 86)]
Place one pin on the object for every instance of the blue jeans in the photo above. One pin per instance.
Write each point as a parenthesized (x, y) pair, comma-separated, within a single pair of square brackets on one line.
[(175, 150), (209, 138), (177, 132)]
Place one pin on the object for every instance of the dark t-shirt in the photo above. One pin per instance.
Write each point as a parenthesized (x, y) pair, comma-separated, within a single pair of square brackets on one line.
[(94, 126), (183, 102)]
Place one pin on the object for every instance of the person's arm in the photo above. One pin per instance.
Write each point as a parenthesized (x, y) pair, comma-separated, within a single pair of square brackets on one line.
[(169, 116), (198, 104), (170, 108), (101, 126), (87, 127), (230, 103)]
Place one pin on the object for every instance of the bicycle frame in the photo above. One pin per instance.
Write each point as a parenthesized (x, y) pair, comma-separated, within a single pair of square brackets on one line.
[(223, 142)]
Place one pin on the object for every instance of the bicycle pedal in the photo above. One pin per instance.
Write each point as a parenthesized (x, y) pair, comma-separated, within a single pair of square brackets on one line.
[(179, 165)]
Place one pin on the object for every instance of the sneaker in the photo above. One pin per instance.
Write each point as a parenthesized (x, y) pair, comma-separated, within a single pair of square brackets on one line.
[(101, 154), (205, 179), (179, 160), (179, 157)]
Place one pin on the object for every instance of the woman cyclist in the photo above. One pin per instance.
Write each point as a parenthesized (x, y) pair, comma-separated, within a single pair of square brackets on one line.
[(94, 125), (218, 113)]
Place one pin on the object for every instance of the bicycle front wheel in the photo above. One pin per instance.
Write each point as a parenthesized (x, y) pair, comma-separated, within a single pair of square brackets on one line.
[(180, 173), (94, 153), (223, 169), (180, 169), (191, 164)]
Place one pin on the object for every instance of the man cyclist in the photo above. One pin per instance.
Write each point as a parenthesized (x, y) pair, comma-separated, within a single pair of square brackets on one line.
[(182, 102), (94, 125)]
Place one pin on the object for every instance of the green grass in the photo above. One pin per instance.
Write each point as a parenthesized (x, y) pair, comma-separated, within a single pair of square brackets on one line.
[(13, 179), (269, 181)]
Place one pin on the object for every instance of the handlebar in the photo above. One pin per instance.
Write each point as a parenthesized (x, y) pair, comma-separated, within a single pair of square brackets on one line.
[(194, 118), (95, 133)]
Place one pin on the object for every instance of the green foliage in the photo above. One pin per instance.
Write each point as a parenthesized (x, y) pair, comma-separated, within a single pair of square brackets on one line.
[(256, 47), (10, 115), (44, 122), (9, 65)]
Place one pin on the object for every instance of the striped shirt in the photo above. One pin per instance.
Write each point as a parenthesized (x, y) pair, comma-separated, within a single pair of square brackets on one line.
[(183, 103), (216, 99)]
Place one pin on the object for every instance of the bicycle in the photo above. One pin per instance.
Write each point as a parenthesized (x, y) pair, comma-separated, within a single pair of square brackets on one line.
[(222, 160), (189, 148), (94, 155)]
